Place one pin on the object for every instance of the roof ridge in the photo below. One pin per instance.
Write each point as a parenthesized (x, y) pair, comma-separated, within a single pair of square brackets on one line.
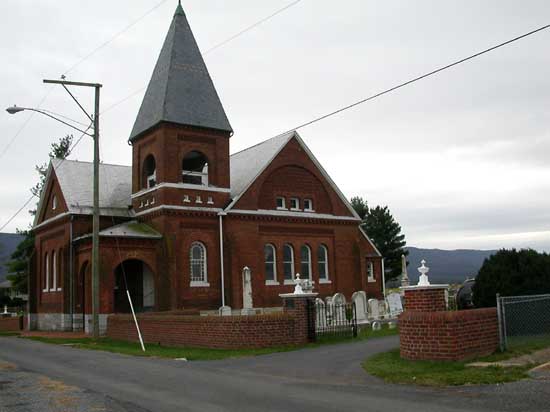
[(293, 132), (87, 162)]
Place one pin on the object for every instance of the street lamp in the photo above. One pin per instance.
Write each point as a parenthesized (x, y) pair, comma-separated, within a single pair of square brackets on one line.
[(95, 136), (16, 109)]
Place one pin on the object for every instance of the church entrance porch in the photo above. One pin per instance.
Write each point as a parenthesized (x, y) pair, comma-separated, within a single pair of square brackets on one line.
[(135, 278)]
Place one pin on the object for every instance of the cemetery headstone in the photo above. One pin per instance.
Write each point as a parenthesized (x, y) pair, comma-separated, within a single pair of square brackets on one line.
[(360, 300), (395, 304), (374, 309)]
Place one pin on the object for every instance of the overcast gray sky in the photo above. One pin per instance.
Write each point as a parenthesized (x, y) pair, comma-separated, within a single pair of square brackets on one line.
[(461, 159)]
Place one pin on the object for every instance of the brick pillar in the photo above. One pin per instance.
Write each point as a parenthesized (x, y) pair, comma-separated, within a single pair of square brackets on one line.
[(298, 306), (425, 298)]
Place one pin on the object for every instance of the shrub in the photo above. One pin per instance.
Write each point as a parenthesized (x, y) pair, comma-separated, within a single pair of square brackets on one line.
[(512, 273)]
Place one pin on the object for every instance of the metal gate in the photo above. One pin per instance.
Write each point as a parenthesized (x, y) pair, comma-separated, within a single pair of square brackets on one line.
[(523, 318), (338, 320)]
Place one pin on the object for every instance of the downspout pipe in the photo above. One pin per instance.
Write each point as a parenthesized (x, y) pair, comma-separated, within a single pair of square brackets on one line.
[(222, 273), (383, 278)]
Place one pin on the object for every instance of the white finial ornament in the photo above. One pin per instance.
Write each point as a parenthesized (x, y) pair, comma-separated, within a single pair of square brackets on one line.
[(298, 288), (423, 280)]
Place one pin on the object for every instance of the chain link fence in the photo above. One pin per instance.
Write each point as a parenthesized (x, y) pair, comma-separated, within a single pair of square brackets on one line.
[(522, 319)]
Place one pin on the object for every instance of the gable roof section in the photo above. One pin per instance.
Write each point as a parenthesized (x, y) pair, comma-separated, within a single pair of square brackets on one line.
[(76, 183), (180, 90), (247, 165)]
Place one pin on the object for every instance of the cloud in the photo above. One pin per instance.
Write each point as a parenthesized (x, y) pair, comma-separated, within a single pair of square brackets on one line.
[(460, 157)]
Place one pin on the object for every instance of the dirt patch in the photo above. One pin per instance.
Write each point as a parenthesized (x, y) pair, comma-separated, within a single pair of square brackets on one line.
[(55, 386), (7, 366), (535, 358)]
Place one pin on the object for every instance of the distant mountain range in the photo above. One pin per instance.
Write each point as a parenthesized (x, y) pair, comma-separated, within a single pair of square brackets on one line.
[(8, 243), (446, 266)]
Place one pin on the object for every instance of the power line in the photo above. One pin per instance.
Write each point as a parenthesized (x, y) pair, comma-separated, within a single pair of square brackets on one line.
[(217, 46), (17, 213), (252, 26), (79, 62), (116, 35), (33, 196), (399, 86)]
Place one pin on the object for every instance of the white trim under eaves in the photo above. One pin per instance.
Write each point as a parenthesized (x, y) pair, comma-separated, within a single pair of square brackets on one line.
[(313, 159), (42, 195), (184, 208), (53, 219), (283, 213), (370, 241), (181, 186)]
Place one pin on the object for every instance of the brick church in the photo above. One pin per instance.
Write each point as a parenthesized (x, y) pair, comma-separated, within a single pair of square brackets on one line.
[(187, 217)]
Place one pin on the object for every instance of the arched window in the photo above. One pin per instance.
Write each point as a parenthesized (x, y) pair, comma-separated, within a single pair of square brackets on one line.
[(149, 178), (195, 169), (270, 264), (322, 261), (305, 254), (54, 202), (46, 273), (288, 262), (54, 271), (198, 265)]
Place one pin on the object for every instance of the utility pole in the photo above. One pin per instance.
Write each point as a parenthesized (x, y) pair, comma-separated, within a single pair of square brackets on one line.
[(95, 235)]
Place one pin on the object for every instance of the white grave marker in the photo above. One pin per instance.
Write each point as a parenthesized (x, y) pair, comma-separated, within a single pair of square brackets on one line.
[(360, 300), (394, 302)]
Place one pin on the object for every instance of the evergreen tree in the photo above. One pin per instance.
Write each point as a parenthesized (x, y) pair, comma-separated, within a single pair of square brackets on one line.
[(385, 233), (360, 205), (18, 266), (512, 273)]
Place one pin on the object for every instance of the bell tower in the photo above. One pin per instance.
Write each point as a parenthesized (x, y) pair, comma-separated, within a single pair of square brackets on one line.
[(180, 138)]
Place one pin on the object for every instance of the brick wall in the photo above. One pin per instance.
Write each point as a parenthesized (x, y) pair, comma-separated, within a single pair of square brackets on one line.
[(449, 336), (10, 324), (230, 332), (425, 300)]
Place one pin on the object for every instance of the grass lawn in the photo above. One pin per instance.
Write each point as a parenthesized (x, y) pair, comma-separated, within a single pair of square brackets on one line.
[(192, 354), (9, 334), (390, 367)]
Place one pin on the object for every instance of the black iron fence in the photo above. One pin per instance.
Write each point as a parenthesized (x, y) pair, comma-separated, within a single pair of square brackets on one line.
[(332, 320)]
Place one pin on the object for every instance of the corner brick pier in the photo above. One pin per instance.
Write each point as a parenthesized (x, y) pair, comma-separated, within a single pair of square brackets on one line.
[(429, 332)]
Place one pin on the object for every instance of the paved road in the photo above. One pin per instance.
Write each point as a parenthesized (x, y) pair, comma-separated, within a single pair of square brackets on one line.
[(328, 378)]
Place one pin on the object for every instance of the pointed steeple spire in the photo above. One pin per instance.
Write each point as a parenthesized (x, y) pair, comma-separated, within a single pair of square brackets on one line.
[(180, 90), (179, 10)]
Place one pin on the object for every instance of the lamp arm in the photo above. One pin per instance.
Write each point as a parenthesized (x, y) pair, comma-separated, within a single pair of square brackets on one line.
[(59, 120)]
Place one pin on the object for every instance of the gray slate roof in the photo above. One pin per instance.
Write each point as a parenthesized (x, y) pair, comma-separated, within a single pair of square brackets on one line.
[(180, 90), (131, 229), (76, 181), (246, 165)]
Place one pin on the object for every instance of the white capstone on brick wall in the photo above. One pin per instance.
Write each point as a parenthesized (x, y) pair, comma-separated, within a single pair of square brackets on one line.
[(225, 311)]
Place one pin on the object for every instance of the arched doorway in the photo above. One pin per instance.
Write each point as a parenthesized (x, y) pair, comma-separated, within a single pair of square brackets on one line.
[(137, 277)]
